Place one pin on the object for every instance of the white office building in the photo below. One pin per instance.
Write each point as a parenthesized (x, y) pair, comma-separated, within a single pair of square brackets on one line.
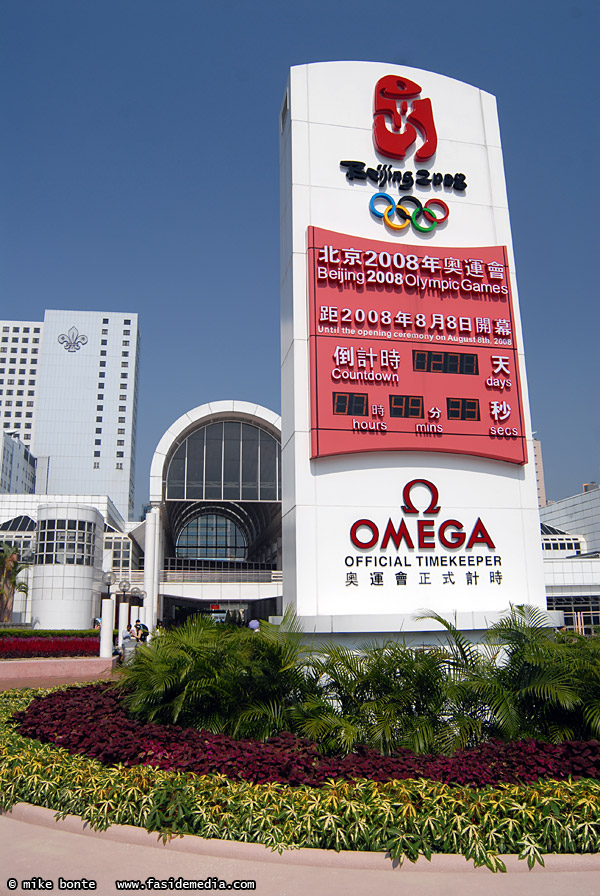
[(68, 389), (579, 514)]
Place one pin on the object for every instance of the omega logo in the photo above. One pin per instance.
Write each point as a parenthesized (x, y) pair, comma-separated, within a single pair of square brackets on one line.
[(450, 533)]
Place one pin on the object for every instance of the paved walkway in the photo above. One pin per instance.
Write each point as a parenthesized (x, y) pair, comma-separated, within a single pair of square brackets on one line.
[(51, 671)]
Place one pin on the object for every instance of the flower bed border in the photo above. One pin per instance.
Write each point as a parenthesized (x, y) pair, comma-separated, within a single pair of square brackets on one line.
[(406, 819)]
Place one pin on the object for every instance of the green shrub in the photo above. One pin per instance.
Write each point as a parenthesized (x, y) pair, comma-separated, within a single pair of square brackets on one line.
[(220, 678), (524, 682)]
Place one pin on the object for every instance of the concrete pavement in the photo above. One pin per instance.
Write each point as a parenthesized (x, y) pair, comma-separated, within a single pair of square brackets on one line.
[(48, 672)]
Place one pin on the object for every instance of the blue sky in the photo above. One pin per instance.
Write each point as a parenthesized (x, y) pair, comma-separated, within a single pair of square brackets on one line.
[(140, 173)]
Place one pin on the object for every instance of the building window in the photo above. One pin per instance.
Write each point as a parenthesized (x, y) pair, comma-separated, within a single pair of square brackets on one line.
[(105, 320), (96, 465), (212, 536), (96, 454), (582, 614), (69, 542), (120, 454), (226, 461)]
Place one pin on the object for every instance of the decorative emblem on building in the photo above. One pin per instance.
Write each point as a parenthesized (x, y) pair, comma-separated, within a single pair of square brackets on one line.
[(72, 341), (392, 136)]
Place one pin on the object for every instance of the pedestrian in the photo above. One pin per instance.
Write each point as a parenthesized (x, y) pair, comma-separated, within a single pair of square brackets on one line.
[(141, 631)]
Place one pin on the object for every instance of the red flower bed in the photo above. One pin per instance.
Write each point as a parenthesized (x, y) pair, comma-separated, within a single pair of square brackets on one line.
[(93, 721), (19, 648)]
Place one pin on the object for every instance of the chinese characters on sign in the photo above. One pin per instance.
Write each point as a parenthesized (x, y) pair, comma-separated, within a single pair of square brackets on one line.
[(422, 578), (412, 350)]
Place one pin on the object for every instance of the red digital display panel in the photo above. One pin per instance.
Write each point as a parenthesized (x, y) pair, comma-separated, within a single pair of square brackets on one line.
[(412, 348)]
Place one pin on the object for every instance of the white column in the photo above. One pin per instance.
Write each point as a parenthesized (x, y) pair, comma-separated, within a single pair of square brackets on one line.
[(123, 619), (107, 621), (149, 570)]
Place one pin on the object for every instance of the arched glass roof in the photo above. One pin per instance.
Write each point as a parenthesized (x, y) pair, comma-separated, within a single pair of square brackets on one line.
[(212, 536), (228, 460)]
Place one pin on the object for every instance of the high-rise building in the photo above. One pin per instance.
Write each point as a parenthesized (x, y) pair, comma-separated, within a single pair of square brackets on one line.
[(68, 389)]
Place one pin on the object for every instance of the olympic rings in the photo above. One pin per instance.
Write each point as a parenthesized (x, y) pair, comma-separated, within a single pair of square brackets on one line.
[(410, 217)]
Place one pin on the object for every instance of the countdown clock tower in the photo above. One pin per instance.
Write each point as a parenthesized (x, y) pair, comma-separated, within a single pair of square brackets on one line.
[(408, 477)]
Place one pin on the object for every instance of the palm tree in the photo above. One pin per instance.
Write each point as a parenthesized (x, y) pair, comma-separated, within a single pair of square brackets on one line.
[(520, 683), (10, 569)]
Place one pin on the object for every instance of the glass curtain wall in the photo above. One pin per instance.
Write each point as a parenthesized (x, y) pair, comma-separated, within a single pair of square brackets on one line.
[(211, 537), (229, 461)]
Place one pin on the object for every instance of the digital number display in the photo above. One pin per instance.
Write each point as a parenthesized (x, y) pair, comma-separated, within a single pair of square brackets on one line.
[(445, 362), (462, 408), (406, 405), (355, 404)]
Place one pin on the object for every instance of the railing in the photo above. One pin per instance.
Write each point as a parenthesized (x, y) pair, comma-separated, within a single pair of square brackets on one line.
[(208, 576)]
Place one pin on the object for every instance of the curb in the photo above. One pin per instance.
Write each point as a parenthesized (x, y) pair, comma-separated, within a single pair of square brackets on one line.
[(316, 858)]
